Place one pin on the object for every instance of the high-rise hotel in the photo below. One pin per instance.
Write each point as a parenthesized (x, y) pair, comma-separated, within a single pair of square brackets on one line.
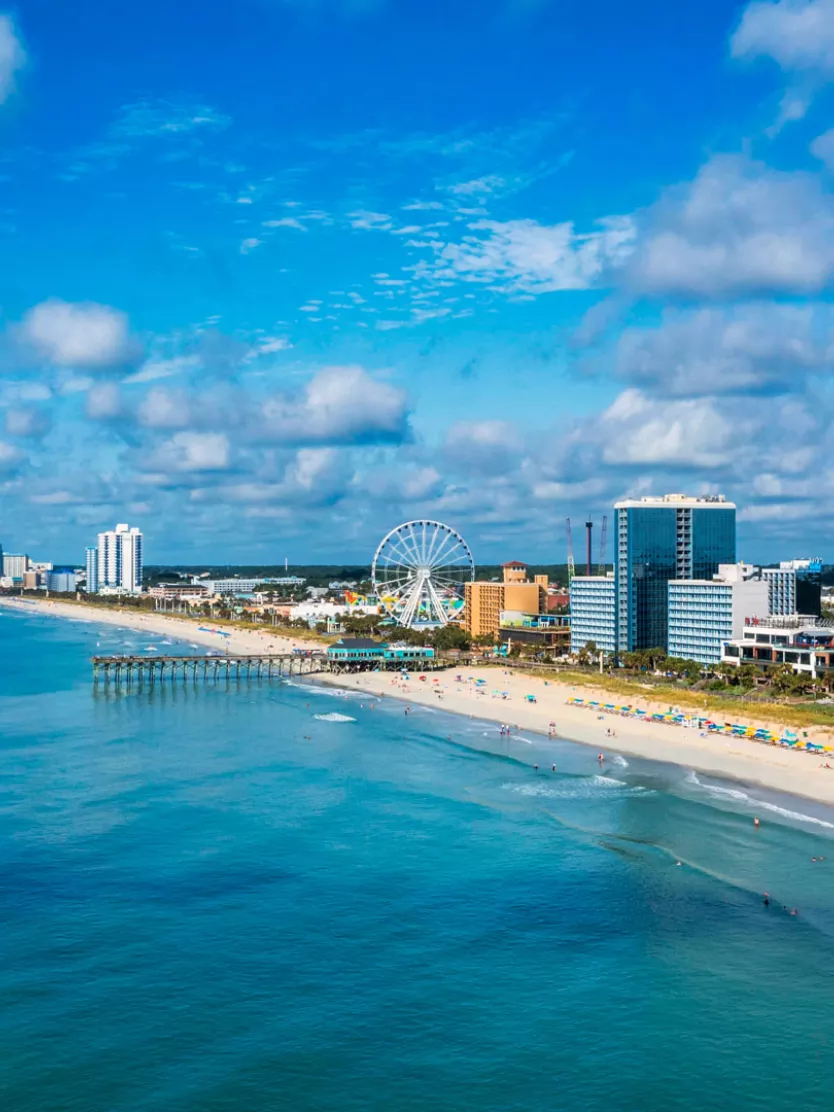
[(115, 564), (659, 539)]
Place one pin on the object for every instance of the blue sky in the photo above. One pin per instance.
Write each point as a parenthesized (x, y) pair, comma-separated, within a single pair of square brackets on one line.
[(280, 274)]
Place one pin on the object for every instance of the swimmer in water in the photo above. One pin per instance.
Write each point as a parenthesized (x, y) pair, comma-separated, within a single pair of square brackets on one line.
[(766, 899), (601, 758), (756, 821), (536, 767), (553, 768)]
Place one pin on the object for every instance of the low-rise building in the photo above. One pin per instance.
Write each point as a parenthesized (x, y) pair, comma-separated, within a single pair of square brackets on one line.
[(542, 631), (61, 580), (704, 613), (806, 646), (592, 615), (484, 600), (359, 652), (183, 591)]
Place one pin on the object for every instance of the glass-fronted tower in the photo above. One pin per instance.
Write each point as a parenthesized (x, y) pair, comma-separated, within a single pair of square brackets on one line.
[(659, 539)]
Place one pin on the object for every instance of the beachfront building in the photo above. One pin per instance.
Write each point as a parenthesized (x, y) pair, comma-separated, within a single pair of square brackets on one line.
[(781, 583), (547, 632), (592, 613), (485, 600), (61, 580), (246, 586), (658, 539), (705, 613), (92, 569), (354, 653), (796, 587), (15, 565), (807, 647), (119, 561)]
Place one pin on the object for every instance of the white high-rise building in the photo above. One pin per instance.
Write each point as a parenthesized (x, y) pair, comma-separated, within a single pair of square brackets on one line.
[(92, 569), (120, 560), (706, 613)]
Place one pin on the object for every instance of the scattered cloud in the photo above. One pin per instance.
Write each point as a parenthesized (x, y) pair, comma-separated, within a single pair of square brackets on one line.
[(739, 229), (339, 405), (85, 336), (757, 348), (154, 118), (192, 451), (796, 34), (524, 256), (12, 56)]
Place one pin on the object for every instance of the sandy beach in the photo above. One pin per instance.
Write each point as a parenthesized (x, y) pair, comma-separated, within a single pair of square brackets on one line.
[(798, 773), (163, 625)]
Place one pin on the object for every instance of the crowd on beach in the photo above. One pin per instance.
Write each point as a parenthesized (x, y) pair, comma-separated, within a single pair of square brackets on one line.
[(787, 738)]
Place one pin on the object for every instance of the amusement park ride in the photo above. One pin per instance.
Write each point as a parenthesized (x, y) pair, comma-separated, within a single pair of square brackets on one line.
[(419, 573)]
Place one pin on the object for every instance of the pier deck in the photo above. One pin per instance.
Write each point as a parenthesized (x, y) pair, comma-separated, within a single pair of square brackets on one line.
[(160, 669)]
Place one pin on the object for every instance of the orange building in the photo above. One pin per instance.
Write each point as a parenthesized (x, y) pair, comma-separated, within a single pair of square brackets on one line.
[(485, 600)]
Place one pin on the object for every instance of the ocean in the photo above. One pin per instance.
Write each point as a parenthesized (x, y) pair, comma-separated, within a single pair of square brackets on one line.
[(271, 895)]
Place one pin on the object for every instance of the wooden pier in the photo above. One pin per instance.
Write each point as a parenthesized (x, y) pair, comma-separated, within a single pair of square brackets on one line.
[(151, 670)]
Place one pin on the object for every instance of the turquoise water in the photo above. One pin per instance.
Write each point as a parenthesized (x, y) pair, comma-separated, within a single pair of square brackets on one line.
[(214, 899)]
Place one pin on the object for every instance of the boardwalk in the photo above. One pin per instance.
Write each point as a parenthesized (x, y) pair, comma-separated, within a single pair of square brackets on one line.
[(183, 669)]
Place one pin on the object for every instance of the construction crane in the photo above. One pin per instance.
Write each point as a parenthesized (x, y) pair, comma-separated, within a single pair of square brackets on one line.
[(603, 542), (571, 564)]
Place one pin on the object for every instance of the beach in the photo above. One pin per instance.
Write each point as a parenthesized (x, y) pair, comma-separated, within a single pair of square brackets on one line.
[(771, 767)]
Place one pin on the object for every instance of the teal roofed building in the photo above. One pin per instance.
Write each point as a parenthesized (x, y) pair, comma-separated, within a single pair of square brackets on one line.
[(364, 651)]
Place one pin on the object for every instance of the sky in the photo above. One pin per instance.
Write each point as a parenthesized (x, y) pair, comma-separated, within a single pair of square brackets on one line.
[(277, 275)]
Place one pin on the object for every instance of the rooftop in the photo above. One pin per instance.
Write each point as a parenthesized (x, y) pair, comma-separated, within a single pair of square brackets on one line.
[(358, 643), (675, 501)]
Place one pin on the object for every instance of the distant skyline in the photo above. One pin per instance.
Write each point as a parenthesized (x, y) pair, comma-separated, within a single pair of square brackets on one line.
[(281, 274)]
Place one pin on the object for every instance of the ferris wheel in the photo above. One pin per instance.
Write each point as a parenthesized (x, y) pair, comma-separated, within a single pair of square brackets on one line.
[(419, 572)]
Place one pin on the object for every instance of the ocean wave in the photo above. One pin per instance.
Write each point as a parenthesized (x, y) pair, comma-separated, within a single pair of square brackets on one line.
[(591, 788), (334, 717), (740, 796), (618, 760)]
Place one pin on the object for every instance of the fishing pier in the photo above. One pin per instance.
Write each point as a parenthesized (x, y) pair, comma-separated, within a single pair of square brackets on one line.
[(150, 670)]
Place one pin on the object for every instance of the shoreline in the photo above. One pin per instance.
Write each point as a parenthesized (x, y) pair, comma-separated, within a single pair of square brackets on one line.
[(748, 763), (732, 758)]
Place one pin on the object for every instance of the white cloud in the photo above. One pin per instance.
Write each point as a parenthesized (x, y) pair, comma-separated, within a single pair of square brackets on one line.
[(12, 56), (103, 402), (525, 256), (370, 221), (192, 451), (739, 228), (797, 34), (155, 369), (249, 245), (638, 430), (86, 335), (489, 447), (339, 405), (823, 148), (161, 409), (28, 422), (752, 348), (285, 222)]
